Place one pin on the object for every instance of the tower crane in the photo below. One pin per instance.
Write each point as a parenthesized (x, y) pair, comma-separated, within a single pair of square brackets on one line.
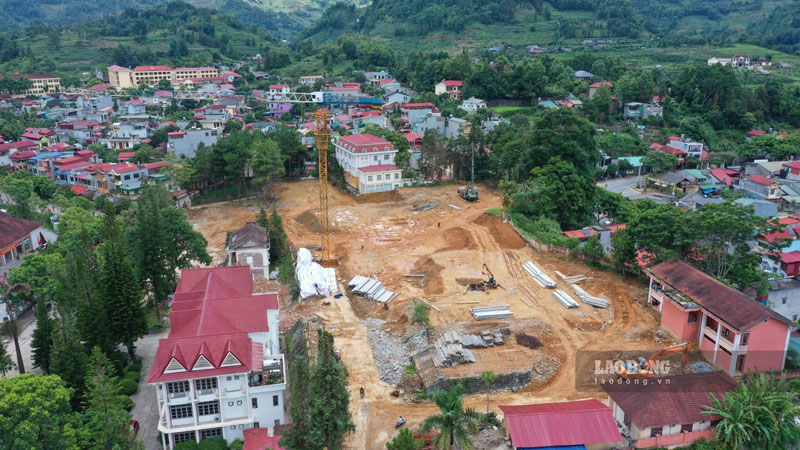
[(323, 100)]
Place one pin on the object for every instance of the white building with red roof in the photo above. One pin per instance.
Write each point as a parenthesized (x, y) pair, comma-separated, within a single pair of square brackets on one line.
[(220, 371), (368, 163), (450, 87)]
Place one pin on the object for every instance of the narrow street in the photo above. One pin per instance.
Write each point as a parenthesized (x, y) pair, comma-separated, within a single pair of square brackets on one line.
[(25, 324), (145, 405)]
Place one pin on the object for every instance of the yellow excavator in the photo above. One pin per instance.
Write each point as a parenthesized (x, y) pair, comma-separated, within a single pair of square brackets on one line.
[(647, 366), (491, 283)]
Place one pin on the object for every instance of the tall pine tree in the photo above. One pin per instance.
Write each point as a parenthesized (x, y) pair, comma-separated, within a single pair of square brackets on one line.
[(42, 342), (68, 358), (105, 415), (329, 400), (277, 237), (118, 287), (297, 437)]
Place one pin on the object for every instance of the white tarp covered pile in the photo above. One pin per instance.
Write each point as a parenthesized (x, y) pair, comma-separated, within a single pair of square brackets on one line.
[(313, 278)]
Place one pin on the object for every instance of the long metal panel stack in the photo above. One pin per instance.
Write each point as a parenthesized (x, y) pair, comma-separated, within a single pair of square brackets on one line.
[(491, 312), (565, 299), (371, 289), (539, 276), (589, 299)]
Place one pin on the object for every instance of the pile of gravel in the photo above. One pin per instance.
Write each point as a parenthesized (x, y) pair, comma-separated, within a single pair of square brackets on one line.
[(390, 353), (701, 367)]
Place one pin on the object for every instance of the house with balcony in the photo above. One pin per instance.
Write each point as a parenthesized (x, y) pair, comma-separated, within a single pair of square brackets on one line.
[(734, 331), (368, 163), (450, 87), (636, 110), (220, 371), (669, 412), (761, 187), (693, 149), (18, 237), (8, 149)]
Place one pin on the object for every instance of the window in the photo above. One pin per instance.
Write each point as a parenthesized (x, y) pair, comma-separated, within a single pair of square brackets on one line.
[(397, 176), (385, 157), (207, 408), (238, 402), (794, 318), (230, 403), (369, 178), (693, 315), (186, 436), (127, 177), (254, 400), (375, 158), (210, 434), (177, 387), (205, 384), (180, 411), (229, 378), (657, 431), (275, 400), (726, 332), (255, 425), (747, 335), (783, 300), (379, 177), (686, 428)]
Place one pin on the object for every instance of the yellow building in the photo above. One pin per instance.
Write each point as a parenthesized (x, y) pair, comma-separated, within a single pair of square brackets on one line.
[(122, 77), (41, 84)]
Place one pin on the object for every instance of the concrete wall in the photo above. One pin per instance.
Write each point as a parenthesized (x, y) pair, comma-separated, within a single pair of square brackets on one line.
[(766, 346), (676, 320), (789, 309)]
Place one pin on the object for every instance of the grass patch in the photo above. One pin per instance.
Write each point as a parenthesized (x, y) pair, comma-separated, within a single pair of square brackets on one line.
[(495, 212), (409, 369), (508, 111), (420, 314)]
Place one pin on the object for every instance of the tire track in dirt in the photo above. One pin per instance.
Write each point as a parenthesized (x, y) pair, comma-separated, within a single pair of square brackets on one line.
[(512, 264)]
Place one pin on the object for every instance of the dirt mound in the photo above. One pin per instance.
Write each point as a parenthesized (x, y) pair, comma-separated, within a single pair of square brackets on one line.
[(310, 220), (503, 234), (379, 197), (433, 275), (458, 238)]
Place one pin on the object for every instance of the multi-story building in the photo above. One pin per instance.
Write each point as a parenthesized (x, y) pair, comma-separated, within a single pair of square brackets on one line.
[(41, 84), (368, 163), (220, 370), (123, 77), (450, 87), (184, 143), (7, 150), (733, 331), (310, 80)]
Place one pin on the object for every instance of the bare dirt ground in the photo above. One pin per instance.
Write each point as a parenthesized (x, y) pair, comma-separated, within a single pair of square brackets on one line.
[(388, 239)]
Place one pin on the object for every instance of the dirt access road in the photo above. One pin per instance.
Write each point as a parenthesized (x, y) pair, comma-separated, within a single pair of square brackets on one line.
[(388, 239)]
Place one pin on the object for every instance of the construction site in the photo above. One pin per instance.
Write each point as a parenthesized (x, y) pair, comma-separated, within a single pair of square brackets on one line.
[(494, 303)]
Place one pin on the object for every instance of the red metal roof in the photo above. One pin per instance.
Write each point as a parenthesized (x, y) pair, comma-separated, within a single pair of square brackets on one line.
[(124, 168), (259, 439), (155, 165), (13, 229), (777, 235), (731, 306), (720, 175), (452, 82), (787, 258), (581, 422), (124, 156), (416, 105), (79, 189), (788, 220), (760, 180), (756, 133), (151, 68), (364, 139), (379, 168), (76, 165), (25, 144), (600, 83), (25, 154), (680, 401)]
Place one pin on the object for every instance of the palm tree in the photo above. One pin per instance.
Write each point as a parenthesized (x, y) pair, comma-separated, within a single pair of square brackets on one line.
[(454, 423), (488, 377), (9, 290)]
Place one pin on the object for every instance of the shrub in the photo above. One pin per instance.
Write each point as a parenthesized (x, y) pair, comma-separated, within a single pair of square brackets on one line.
[(420, 314), (133, 375), (135, 367), (188, 445), (213, 444), (128, 386), (237, 444), (126, 402)]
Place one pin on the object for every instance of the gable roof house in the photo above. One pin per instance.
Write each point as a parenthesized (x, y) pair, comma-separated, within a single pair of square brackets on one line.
[(761, 187), (670, 412), (566, 425), (220, 370), (450, 87), (18, 237), (733, 331), (249, 245)]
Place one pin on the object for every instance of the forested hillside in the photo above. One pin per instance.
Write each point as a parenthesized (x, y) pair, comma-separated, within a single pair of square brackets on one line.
[(175, 33), (281, 17)]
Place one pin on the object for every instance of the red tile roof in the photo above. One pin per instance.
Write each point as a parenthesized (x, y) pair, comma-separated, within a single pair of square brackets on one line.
[(452, 82), (680, 401), (99, 87), (124, 156), (777, 235), (600, 83), (364, 139), (411, 137), (756, 133), (379, 168), (720, 175), (76, 165), (731, 306), (584, 234), (155, 165), (13, 229), (788, 220), (25, 154), (259, 439), (581, 422), (760, 180), (787, 258), (151, 68), (25, 144), (124, 168), (79, 189)]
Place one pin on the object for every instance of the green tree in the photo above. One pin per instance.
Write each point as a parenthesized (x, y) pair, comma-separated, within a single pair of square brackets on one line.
[(262, 219), (623, 253), (488, 377), (42, 340), (105, 416), (118, 287), (6, 364), (163, 242), (329, 402), (593, 248), (297, 437), (559, 132), (760, 413), (35, 412), (454, 423), (11, 293), (659, 161), (267, 161), (277, 237), (404, 441), (68, 359)]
